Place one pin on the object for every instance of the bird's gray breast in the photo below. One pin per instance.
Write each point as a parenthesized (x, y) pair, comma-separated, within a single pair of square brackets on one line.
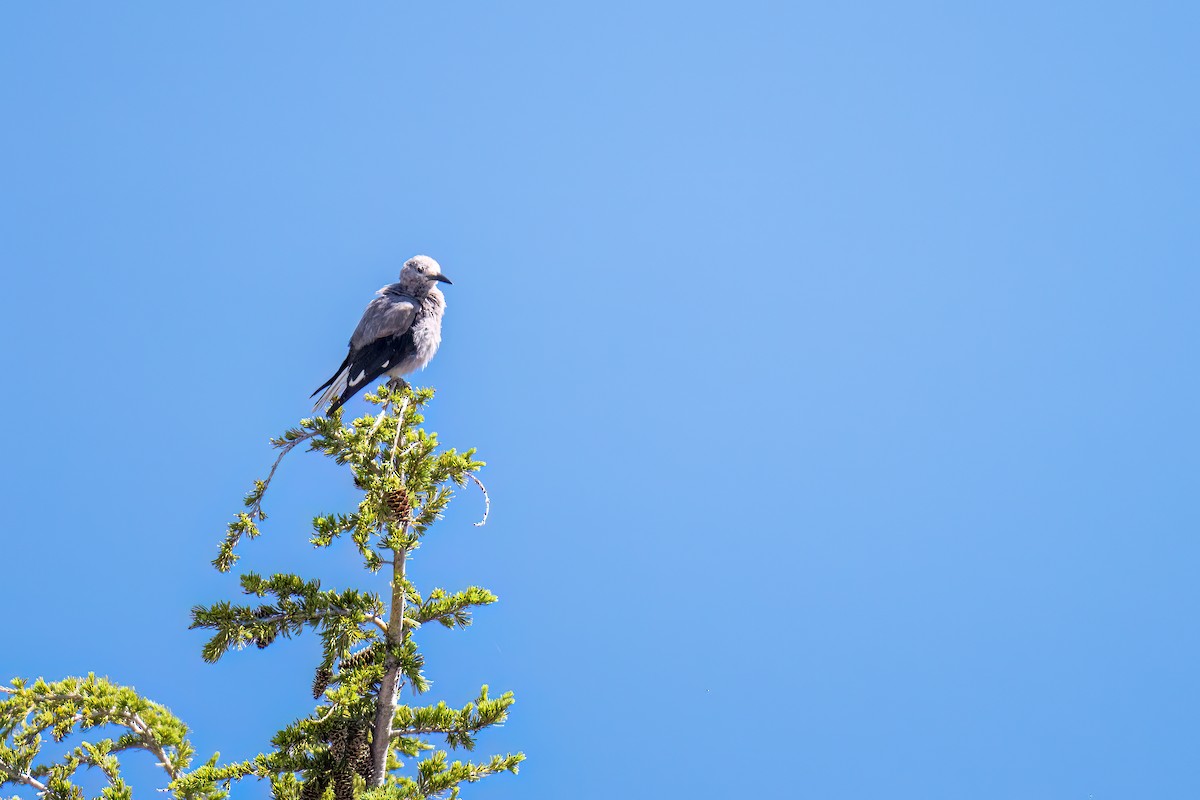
[(426, 334)]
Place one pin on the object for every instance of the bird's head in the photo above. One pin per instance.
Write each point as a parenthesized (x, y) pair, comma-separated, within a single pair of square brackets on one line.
[(419, 274)]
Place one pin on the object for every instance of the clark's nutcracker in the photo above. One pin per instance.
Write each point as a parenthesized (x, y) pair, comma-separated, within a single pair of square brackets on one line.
[(398, 333)]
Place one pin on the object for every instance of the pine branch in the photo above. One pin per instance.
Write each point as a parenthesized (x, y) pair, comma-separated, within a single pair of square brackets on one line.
[(436, 777), (77, 705), (319, 615), (459, 726), (453, 610), (299, 604)]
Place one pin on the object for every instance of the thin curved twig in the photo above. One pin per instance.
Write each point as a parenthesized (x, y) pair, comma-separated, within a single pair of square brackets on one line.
[(285, 448), (487, 501), (379, 418), (399, 433)]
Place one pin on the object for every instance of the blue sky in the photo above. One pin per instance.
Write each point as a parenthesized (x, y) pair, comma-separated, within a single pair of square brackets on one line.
[(834, 364)]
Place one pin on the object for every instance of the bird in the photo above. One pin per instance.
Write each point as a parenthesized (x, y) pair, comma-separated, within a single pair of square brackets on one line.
[(399, 333)]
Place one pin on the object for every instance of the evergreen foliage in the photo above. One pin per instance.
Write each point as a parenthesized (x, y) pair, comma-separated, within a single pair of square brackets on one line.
[(31, 712), (360, 741)]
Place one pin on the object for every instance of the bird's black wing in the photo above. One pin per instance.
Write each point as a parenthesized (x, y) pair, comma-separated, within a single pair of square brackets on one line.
[(368, 363), (376, 345)]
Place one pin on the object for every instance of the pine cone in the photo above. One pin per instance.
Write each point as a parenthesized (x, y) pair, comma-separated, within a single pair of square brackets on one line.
[(337, 744), (359, 659), (397, 503), (313, 789), (362, 759), (343, 785), (321, 681)]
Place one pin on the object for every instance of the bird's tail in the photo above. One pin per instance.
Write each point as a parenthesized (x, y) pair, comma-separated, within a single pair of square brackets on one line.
[(335, 389)]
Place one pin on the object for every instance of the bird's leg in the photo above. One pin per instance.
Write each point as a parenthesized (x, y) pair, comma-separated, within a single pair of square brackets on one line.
[(395, 384)]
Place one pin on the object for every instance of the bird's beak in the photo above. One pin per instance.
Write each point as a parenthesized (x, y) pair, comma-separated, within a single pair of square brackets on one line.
[(443, 279)]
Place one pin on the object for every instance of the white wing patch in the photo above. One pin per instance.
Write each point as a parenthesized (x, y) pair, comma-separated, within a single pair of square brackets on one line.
[(361, 375), (336, 389)]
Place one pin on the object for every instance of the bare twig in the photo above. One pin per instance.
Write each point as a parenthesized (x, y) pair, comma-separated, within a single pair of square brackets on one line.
[(487, 501), (399, 432), (22, 777), (379, 623), (393, 385), (379, 418), (285, 448), (152, 744)]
